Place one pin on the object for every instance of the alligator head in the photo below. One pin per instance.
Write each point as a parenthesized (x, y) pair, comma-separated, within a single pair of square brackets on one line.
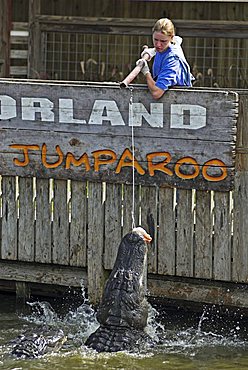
[(32, 345), (123, 311)]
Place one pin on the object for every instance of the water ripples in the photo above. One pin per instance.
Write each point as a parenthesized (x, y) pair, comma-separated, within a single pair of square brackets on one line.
[(180, 341)]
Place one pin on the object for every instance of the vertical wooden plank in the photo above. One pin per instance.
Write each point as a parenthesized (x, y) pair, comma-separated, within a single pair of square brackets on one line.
[(34, 49), (26, 220), (23, 292), (1, 213), (185, 224), (194, 10), (149, 214), (60, 250), (5, 22), (9, 219), (112, 224), (128, 207), (203, 235), (240, 197), (166, 232), (222, 236), (240, 228), (43, 225), (0, 234), (95, 242), (78, 226)]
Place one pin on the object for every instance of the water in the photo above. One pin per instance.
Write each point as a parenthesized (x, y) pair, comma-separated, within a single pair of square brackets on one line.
[(183, 340)]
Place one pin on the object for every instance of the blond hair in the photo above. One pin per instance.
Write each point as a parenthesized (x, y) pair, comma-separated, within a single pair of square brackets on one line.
[(165, 26)]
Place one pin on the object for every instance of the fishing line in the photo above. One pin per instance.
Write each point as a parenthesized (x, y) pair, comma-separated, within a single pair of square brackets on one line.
[(133, 152)]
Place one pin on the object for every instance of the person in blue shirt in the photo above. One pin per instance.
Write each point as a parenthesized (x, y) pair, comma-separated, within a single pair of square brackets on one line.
[(170, 67)]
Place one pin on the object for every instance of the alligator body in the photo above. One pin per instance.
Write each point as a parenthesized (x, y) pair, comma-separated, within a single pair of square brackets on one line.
[(123, 311), (32, 345)]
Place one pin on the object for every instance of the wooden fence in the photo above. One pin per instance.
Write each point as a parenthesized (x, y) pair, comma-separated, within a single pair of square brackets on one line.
[(96, 43), (105, 49), (66, 161)]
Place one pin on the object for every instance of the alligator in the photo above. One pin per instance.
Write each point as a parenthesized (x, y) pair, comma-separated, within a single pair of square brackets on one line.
[(123, 311), (32, 345)]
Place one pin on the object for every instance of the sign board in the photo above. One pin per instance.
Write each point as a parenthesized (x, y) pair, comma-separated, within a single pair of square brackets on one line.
[(87, 131)]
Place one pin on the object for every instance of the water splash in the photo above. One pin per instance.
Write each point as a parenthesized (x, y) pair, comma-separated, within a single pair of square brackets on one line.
[(194, 338), (77, 323), (154, 327), (202, 318), (42, 313), (207, 336)]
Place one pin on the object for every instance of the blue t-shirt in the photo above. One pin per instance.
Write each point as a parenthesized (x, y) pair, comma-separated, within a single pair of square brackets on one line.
[(170, 68)]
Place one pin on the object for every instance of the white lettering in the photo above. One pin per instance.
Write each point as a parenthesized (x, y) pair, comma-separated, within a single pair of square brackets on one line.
[(188, 116), (32, 106), (137, 111), (106, 110), (7, 107), (66, 112), (182, 116)]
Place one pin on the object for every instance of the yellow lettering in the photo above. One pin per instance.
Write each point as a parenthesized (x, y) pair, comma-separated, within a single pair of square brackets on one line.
[(127, 160), (84, 159), (156, 161), (100, 161), (44, 154), (187, 160), (25, 149), (216, 163), (160, 166)]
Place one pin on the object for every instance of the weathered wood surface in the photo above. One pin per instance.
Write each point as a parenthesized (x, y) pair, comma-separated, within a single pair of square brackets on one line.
[(195, 10), (131, 214), (185, 290), (184, 221), (60, 250), (43, 224), (197, 234), (19, 50), (112, 223), (26, 248), (9, 219), (95, 242), (240, 220), (141, 26), (203, 235), (4, 37), (166, 232), (78, 224), (184, 226), (43, 274), (34, 40), (149, 221), (200, 291), (192, 231), (83, 132), (222, 237)]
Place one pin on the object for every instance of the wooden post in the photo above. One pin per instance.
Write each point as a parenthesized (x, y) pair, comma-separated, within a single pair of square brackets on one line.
[(22, 296), (34, 47), (96, 278), (240, 232), (5, 6), (9, 219)]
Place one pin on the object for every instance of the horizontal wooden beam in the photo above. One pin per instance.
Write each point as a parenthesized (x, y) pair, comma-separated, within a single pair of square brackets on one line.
[(43, 274), (199, 291), (133, 26), (191, 291)]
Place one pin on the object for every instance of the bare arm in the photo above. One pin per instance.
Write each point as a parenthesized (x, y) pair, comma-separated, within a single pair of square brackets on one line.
[(154, 90)]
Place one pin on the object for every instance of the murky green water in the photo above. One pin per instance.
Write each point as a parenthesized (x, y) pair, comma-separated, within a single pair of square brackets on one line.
[(183, 340)]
